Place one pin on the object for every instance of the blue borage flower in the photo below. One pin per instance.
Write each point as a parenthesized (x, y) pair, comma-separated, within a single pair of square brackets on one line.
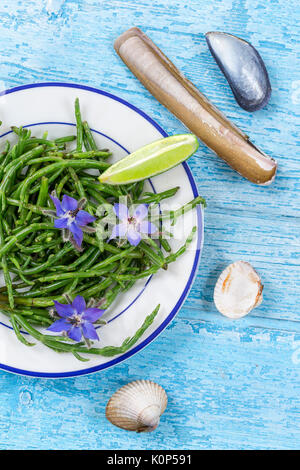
[(76, 319), (132, 226), (71, 218)]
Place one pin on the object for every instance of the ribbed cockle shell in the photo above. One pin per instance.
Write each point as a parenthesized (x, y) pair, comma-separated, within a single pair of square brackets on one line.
[(137, 406)]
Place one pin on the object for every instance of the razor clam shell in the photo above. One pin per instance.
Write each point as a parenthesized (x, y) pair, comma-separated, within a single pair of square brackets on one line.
[(160, 76), (137, 406), (238, 290), (242, 67)]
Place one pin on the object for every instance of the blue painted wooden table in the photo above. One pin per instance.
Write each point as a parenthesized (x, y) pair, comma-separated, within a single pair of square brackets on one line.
[(230, 384)]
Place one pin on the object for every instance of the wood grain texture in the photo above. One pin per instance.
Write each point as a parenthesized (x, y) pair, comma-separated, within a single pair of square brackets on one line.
[(238, 385)]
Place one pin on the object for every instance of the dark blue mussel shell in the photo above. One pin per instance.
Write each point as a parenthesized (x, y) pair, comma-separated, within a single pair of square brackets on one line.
[(243, 68)]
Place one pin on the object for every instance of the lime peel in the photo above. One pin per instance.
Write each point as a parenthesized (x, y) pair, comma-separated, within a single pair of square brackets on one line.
[(152, 159)]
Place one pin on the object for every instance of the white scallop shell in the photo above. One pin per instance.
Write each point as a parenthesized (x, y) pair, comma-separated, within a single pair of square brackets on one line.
[(137, 406), (238, 290)]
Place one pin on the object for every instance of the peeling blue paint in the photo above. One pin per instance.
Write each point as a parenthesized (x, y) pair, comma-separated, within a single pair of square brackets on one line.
[(230, 384)]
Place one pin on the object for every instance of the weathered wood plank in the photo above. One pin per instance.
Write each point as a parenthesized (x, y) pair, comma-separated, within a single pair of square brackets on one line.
[(272, 246), (237, 388), (238, 385)]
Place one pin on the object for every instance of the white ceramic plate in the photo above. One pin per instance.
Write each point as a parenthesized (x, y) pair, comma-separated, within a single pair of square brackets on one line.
[(123, 128)]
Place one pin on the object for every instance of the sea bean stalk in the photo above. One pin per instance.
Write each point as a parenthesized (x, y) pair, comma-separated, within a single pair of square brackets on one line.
[(39, 267)]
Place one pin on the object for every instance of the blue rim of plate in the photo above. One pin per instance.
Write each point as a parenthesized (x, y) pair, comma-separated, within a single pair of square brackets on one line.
[(193, 273)]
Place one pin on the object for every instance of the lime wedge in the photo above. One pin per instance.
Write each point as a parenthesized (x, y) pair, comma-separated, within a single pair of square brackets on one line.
[(152, 159)]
